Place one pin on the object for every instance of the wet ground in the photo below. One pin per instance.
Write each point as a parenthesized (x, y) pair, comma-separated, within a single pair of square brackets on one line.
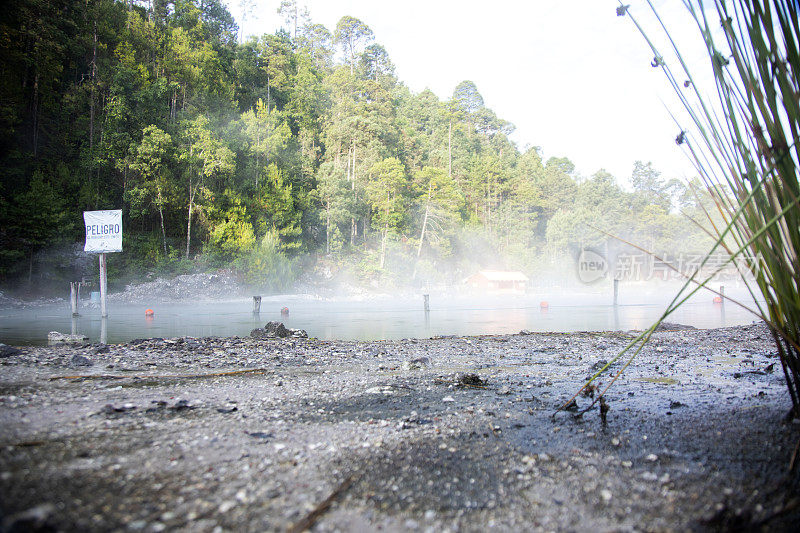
[(456, 433)]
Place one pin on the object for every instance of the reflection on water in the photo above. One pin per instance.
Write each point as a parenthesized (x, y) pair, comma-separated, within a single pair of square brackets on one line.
[(364, 320)]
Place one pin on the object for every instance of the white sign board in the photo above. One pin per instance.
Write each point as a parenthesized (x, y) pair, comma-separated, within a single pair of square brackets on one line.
[(103, 231)]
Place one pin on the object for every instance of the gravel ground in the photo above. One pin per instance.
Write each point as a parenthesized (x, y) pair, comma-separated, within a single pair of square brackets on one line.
[(443, 434)]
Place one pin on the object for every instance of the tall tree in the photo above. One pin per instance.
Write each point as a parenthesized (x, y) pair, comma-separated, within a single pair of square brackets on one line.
[(154, 184), (206, 157), (352, 35)]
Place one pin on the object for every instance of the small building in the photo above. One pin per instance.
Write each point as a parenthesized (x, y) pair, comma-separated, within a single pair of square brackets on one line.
[(498, 280)]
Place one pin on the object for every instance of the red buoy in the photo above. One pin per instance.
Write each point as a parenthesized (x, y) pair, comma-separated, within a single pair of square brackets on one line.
[(149, 312), (544, 305), (718, 299), (284, 311)]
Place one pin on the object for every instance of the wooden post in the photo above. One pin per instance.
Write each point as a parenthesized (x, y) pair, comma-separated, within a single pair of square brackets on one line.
[(74, 291), (427, 303), (722, 292), (616, 292), (103, 285), (256, 305), (104, 330)]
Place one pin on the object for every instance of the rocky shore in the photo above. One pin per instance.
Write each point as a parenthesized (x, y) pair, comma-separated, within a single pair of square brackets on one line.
[(443, 434)]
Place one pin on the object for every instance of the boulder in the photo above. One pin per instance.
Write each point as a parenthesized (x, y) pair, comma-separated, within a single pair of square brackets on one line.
[(276, 330), (55, 336), (8, 351)]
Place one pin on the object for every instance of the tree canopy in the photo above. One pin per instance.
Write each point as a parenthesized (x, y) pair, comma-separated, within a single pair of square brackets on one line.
[(277, 146)]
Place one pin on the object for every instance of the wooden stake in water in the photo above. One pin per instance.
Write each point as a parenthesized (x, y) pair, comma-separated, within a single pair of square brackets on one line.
[(74, 294), (256, 305), (103, 285), (427, 304), (616, 291)]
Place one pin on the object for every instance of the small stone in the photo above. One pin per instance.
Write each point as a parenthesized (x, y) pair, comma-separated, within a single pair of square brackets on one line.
[(605, 495), (8, 351), (79, 360), (448, 399), (226, 506), (651, 457)]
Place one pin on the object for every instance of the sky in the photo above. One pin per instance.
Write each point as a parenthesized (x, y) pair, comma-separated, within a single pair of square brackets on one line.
[(573, 78)]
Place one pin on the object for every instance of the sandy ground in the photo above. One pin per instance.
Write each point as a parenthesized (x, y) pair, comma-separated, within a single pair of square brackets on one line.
[(443, 434)]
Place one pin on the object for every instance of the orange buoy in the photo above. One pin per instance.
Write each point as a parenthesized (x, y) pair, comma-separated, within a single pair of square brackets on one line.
[(544, 305), (718, 299), (285, 311), (149, 312)]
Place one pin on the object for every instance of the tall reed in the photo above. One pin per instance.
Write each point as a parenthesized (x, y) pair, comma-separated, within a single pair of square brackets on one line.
[(743, 142)]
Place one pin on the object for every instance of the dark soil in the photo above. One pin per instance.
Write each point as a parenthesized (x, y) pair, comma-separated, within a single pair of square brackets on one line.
[(457, 434)]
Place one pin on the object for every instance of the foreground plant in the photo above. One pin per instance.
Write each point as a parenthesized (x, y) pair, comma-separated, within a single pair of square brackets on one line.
[(744, 145)]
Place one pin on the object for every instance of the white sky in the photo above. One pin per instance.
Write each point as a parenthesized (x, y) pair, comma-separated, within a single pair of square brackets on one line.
[(573, 78)]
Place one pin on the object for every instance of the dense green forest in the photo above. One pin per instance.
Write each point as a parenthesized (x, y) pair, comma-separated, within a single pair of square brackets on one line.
[(279, 152)]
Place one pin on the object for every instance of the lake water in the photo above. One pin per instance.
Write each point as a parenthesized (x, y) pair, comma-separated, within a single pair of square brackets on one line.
[(373, 318)]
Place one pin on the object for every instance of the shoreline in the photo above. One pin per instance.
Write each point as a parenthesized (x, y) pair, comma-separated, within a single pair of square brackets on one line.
[(256, 434)]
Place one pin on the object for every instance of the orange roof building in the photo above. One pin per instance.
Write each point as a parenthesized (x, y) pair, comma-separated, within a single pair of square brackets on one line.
[(499, 280)]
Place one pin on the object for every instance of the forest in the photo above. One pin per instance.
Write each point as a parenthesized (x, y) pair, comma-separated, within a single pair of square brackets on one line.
[(281, 153)]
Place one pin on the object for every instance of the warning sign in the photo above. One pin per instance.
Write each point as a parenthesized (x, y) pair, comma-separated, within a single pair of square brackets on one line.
[(103, 231)]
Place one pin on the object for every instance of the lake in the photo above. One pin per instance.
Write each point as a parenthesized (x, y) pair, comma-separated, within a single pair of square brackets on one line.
[(375, 317)]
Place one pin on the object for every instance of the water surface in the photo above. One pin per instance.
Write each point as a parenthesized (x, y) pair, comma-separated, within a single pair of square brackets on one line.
[(368, 319)]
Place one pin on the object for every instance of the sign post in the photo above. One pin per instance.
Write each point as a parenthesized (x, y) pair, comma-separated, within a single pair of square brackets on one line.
[(103, 234)]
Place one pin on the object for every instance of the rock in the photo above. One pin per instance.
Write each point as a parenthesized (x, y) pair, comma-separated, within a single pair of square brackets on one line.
[(33, 519), (110, 409), (572, 405), (416, 364), (298, 333), (79, 360), (471, 380), (8, 351), (599, 364), (669, 326), (55, 336), (182, 405), (276, 329), (258, 333)]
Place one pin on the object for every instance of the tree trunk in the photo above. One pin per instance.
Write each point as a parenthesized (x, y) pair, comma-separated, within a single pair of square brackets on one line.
[(161, 214), (327, 228), (383, 243), (450, 149), (91, 103), (422, 233), (189, 223), (35, 114)]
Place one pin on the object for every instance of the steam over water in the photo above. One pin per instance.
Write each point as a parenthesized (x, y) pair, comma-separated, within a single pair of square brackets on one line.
[(378, 317)]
